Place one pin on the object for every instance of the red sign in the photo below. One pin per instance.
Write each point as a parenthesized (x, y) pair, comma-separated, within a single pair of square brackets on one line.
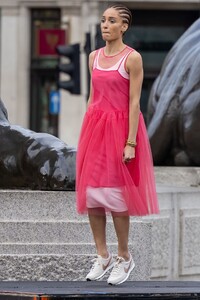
[(48, 39)]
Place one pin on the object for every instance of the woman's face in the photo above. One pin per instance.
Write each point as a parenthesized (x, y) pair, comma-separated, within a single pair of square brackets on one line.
[(112, 26)]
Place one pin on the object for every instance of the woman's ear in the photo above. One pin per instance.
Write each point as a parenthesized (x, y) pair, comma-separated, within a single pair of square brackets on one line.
[(125, 27)]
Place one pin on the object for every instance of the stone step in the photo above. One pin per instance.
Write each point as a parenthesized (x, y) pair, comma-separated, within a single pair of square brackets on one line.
[(38, 205), (61, 206), (50, 248), (63, 232), (12, 255), (59, 267)]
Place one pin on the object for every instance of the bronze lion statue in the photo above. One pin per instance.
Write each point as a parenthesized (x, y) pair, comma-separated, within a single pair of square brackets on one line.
[(174, 104), (34, 160)]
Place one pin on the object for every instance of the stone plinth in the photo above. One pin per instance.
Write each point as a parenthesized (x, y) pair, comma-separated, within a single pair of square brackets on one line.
[(43, 238), (178, 176), (176, 231)]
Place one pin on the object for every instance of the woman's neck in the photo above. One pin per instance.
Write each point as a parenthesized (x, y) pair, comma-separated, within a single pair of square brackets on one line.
[(114, 48)]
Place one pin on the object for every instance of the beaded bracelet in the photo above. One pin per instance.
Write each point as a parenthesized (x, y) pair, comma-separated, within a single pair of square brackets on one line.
[(131, 143)]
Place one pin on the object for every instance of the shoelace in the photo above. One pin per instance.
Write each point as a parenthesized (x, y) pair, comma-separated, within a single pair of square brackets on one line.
[(117, 266), (96, 262)]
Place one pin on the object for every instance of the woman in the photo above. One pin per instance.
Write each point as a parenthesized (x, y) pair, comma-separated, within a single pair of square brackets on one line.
[(114, 164)]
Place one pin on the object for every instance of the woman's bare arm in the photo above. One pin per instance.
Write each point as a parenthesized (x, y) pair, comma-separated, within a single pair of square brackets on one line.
[(91, 61), (135, 69)]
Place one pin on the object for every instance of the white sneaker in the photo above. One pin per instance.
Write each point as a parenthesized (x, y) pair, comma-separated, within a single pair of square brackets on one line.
[(121, 270), (100, 267)]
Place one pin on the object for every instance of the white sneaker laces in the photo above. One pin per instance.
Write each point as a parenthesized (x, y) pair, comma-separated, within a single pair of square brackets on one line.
[(96, 262), (117, 266)]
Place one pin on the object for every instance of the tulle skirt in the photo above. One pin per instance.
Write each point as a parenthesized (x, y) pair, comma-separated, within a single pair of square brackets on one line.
[(103, 180)]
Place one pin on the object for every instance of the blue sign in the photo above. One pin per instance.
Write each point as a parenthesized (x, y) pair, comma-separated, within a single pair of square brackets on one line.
[(54, 103)]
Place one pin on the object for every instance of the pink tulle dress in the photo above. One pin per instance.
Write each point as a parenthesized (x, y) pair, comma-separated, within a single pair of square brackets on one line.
[(103, 180)]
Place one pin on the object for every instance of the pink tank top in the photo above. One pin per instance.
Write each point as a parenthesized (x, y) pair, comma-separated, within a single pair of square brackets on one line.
[(110, 82)]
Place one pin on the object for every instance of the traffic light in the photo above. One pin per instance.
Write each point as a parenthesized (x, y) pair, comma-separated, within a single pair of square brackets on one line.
[(71, 68)]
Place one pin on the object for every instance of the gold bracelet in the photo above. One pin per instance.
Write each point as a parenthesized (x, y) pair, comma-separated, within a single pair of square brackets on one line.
[(131, 143)]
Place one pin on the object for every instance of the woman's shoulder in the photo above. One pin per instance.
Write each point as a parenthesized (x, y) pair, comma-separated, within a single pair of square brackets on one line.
[(134, 54), (134, 57), (134, 61), (93, 53), (91, 58)]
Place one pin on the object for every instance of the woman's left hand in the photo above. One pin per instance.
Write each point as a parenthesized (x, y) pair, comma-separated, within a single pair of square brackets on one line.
[(129, 153)]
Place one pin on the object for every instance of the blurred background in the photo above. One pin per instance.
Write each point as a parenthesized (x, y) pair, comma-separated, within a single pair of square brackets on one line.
[(30, 30)]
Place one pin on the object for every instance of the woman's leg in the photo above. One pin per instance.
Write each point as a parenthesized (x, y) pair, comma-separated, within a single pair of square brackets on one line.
[(124, 263), (104, 261), (98, 226), (121, 224)]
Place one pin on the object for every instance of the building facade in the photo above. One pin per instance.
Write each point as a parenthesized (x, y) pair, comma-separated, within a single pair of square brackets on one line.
[(27, 72)]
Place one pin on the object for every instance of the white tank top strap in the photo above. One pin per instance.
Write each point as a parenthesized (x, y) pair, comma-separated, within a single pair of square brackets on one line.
[(96, 58), (122, 65)]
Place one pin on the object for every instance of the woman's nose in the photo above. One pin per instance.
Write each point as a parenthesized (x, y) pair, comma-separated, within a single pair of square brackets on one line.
[(105, 24)]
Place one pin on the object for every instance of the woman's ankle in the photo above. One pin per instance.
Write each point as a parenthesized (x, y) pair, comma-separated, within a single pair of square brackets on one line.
[(104, 254), (125, 255)]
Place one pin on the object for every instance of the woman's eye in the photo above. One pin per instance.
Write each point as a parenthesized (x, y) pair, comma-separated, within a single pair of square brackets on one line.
[(112, 21), (102, 20)]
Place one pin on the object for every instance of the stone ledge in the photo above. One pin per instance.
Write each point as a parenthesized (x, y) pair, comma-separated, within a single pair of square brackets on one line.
[(64, 232), (56, 267), (178, 176)]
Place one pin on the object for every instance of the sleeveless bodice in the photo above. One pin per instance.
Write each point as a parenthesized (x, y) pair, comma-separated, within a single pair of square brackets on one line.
[(110, 88)]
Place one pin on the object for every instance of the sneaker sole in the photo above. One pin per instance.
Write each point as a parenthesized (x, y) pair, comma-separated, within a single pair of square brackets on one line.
[(128, 274), (99, 277)]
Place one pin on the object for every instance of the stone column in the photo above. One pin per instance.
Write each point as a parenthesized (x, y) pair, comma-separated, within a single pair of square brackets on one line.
[(14, 81), (9, 63), (24, 61)]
